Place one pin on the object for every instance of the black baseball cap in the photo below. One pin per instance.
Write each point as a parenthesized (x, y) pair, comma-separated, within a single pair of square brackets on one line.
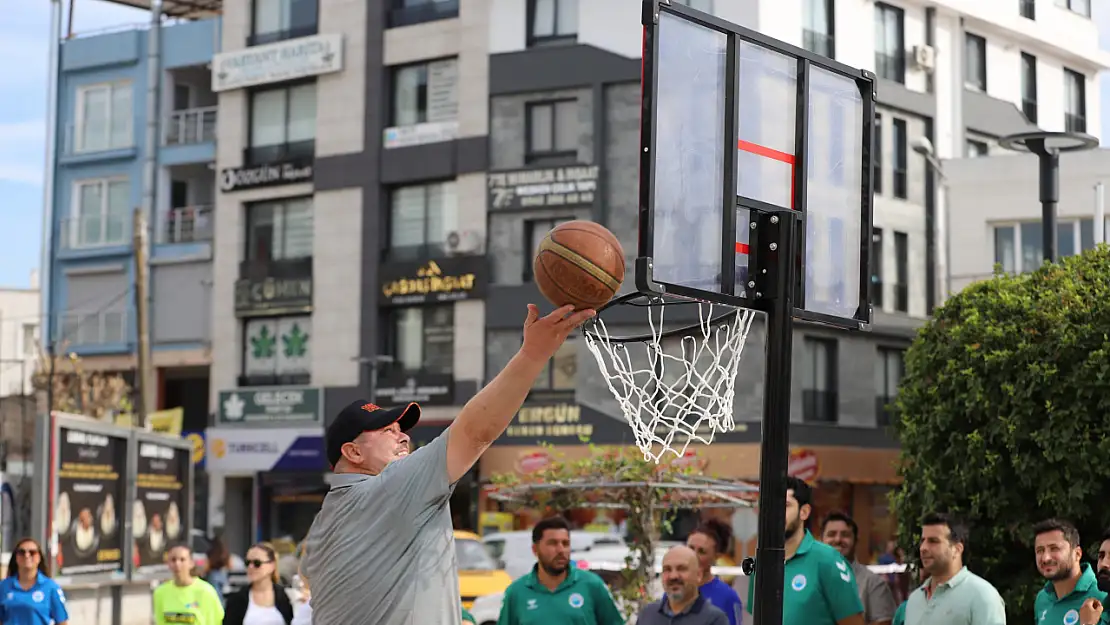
[(362, 416)]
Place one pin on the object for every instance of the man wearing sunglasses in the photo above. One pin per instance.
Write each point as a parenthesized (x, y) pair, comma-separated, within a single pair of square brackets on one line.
[(382, 551)]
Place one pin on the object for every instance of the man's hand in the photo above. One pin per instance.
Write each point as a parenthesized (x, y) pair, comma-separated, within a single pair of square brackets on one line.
[(487, 414), (1090, 612), (543, 337)]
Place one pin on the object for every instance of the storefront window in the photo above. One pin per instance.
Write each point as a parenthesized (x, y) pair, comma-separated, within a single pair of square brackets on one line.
[(422, 338), (293, 501)]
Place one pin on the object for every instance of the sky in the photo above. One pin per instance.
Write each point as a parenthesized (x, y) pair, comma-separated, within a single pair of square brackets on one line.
[(25, 34)]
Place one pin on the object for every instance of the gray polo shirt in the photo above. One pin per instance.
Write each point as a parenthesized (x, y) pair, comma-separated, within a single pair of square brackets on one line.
[(875, 594), (966, 599), (700, 612), (382, 549)]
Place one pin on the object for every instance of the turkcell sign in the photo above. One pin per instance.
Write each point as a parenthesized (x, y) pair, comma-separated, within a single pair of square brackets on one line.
[(268, 175), (242, 450)]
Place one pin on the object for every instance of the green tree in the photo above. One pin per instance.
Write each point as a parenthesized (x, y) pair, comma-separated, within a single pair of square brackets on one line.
[(1004, 409)]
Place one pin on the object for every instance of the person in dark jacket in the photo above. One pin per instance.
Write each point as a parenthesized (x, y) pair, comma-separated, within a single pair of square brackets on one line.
[(683, 604), (264, 601)]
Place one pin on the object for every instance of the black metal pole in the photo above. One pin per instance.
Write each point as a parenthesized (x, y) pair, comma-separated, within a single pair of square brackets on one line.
[(774, 449), (1050, 195)]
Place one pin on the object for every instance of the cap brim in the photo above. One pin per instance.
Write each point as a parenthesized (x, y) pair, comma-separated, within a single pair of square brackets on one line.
[(405, 416)]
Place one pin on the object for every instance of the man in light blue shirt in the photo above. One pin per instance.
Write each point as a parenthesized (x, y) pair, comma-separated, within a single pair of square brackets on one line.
[(952, 595)]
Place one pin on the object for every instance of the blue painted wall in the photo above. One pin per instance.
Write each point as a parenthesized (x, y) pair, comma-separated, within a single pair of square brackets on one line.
[(113, 57)]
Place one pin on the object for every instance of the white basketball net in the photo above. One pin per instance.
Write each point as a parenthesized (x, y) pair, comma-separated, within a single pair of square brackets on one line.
[(677, 391)]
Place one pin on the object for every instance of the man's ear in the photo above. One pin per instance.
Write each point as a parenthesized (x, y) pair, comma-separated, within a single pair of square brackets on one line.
[(804, 512)]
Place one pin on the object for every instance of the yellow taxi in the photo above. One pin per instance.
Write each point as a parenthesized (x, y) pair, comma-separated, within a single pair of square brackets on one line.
[(479, 573)]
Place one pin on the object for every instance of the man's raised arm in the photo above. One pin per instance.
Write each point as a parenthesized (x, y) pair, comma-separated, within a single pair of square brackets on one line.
[(486, 416)]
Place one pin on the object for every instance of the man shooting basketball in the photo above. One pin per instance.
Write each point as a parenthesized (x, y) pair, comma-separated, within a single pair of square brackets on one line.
[(381, 551)]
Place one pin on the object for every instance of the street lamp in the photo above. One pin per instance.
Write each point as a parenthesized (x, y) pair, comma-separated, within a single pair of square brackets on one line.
[(1048, 146), (924, 147), (371, 364)]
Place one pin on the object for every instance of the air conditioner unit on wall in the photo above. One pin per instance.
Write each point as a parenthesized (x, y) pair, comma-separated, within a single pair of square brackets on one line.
[(463, 242), (924, 57)]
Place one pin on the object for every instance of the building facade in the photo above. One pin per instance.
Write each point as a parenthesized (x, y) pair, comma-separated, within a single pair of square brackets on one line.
[(20, 327)]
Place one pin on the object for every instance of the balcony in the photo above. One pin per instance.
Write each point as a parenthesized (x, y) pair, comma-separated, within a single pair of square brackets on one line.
[(891, 66), (416, 252), (260, 269), (1075, 123), (96, 230), (266, 154), (187, 224), (92, 328), (410, 12), (1029, 109), (818, 43), (819, 406), (191, 126)]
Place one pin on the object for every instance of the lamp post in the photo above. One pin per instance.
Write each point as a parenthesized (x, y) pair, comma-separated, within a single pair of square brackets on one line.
[(371, 364), (1048, 146), (924, 147)]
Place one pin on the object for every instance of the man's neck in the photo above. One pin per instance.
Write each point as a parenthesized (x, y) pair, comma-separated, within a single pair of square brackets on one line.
[(551, 582), (679, 608), (793, 542), (1065, 587), (944, 578)]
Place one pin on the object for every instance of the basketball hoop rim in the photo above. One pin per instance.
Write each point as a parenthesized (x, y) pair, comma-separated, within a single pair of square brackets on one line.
[(653, 300), (1020, 142)]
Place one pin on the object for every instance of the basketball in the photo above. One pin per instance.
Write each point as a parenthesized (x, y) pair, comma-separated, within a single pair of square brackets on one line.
[(580, 263)]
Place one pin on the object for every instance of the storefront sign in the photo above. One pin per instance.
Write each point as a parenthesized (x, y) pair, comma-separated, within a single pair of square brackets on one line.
[(804, 465), (542, 188), (253, 450), (430, 389), (90, 502), (429, 282), (268, 175), (532, 462), (159, 515), (277, 62), (270, 404), (272, 296), (420, 134), (549, 423)]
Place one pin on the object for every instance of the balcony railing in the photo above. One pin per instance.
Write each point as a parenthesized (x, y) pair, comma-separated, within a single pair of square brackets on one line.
[(891, 66), (187, 224), (295, 31), (819, 406), (886, 413), (408, 12), (191, 126), (262, 154), (81, 140), (818, 43), (93, 328), (95, 230), (1029, 108), (1075, 123), (272, 268)]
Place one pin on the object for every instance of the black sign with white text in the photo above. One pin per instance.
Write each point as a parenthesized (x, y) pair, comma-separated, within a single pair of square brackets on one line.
[(269, 175), (572, 185), (429, 389), (158, 516), (90, 502)]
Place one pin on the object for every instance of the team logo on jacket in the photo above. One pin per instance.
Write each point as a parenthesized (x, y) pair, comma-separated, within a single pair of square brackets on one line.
[(576, 600), (37, 596), (1071, 618), (798, 583)]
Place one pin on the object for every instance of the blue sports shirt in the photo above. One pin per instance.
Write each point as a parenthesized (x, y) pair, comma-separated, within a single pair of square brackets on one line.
[(43, 604)]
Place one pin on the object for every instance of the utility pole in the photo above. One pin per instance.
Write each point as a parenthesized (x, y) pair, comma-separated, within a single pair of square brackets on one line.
[(142, 308)]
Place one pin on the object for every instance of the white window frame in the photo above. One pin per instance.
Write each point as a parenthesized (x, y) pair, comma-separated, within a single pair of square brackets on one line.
[(76, 218), (80, 121), (1070, 222)]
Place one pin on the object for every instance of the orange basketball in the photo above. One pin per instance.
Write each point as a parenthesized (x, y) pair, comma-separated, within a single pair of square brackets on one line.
[(580, 263)]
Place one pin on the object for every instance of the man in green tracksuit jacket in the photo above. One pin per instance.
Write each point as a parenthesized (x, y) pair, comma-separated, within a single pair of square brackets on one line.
[(554, 592), (1070, 580)]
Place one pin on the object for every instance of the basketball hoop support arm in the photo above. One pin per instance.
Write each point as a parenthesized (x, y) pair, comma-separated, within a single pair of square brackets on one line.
[(774, 239)]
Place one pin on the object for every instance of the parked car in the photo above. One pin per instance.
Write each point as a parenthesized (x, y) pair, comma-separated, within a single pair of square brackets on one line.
[(479, 573)]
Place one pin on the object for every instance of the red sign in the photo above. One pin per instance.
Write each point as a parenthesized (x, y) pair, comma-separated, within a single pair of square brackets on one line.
[(803, 465), (689, 459), (535, 461)]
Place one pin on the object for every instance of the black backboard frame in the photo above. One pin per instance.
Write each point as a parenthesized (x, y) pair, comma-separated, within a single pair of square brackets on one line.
[(864, 80)]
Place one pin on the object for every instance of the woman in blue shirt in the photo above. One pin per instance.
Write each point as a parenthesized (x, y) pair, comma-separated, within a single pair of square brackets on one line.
[(27, 595)]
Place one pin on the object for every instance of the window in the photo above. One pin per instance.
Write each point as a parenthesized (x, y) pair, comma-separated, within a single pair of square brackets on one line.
[(278, 20), (878, 160), (422, 339), (705, 6), (427, 92), (888, 375), (280, 230), (1075, 101), (283, 124), (817, 35), (561, 372), (552, 133), (1020, 247), (901, 159), (1082, 7), (819, 399), (975, 148), (901, 272), (552, 21), (277, 350), (1027, 9), (30, 340), (102, 213), (877, 267), (409, 12), (534, 232), (890, 42), (104, 115), (1029, 86), (420, 218), (975, 62)]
